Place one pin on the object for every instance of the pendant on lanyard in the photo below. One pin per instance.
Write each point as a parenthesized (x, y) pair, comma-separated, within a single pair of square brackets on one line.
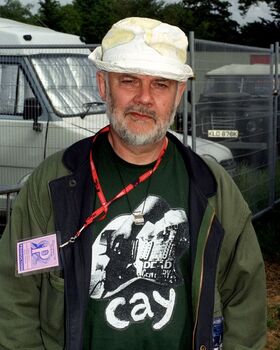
[(100, 213)]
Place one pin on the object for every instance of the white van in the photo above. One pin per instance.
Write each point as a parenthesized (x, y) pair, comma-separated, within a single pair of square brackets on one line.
[(48, 98), (44, 92)]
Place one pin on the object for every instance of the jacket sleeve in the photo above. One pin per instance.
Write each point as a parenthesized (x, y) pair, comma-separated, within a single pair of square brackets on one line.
[(21, 297), (241, 274), (243, 295)]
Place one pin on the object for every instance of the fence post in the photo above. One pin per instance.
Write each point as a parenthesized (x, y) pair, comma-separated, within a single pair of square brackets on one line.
[(270, 142), (192, 98), (275, 114)]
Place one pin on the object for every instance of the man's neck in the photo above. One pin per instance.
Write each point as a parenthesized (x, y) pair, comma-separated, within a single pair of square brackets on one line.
[(139, 155)]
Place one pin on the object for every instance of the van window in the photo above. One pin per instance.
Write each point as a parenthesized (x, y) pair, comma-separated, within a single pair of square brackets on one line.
[(14, 89), (69, 82), (221, 84), (258, 85)]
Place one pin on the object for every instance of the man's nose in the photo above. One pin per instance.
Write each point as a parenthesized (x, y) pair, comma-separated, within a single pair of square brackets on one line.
[(143, 95)]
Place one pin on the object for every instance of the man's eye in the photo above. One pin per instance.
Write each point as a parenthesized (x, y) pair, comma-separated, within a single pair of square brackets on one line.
[(161, 85), (127, 81)]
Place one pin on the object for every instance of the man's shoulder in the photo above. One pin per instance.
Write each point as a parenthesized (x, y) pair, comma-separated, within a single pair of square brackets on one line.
[(63, 162), (51, 167)]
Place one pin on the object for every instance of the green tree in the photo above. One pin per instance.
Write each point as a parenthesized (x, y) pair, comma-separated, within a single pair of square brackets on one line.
[(90, 25), (274, 5), (49, 14), (261, 33), (140, 8), (70, 21), (177, 14), (13, 9), (275, 11), (211, 20), (97, 16), (91, 19)]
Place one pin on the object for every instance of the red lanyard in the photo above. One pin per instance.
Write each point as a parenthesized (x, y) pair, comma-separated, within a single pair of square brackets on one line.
[(96, 214)]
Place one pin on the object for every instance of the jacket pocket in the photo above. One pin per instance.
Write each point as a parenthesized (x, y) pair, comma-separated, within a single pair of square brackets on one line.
[(56, 282), (52, 310)]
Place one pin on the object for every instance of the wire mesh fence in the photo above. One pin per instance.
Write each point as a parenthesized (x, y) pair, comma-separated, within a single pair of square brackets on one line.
[(49, 99), (235, 93)]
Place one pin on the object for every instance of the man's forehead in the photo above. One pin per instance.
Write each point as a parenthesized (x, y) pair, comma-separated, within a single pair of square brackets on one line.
[(140, 76)]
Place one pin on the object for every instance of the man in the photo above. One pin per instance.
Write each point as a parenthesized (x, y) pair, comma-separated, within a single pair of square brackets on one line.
[(156, 245)]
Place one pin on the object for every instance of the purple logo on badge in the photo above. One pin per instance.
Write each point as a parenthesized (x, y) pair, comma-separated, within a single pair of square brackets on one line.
[(41, 252)]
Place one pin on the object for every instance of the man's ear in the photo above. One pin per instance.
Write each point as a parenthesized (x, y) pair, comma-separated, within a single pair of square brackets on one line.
[(180, 91), (101, 84)]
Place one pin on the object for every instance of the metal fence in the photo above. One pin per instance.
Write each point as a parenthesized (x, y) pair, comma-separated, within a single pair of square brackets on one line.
[(49, 99), (234, 101), (8, 194)]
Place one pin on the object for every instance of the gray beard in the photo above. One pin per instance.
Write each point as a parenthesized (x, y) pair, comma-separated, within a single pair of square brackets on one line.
[(136, 139)]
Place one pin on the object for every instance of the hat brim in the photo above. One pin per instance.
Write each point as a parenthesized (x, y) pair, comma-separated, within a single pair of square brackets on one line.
[(164, 69)]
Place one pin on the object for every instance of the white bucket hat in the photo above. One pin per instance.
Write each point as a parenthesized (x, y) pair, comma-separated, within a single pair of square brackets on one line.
[(144, 46)]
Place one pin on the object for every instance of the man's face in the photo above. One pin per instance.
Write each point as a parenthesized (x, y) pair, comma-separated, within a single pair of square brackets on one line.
[(140, 108)]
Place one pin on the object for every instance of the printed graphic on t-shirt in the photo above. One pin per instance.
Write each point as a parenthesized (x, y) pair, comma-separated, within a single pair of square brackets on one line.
[(135, 268)]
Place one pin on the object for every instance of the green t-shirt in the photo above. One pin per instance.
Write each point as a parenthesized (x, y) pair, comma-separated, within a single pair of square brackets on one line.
[(140, 280)]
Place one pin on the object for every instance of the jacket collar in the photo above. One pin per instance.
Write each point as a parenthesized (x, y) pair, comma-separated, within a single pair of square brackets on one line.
[(77, 155)]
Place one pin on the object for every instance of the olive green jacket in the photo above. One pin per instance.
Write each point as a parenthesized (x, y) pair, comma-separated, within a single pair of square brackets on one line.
[(227, 266)]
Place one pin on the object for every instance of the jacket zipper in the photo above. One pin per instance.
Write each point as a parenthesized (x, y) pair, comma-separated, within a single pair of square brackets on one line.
[(201, 281)]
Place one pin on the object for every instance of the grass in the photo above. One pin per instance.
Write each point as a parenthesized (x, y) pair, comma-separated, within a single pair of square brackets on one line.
[(257, 186), (273, 325), (273, 317), (268, 231)]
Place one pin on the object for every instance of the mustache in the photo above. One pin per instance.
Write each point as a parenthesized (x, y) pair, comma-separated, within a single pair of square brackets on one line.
[(141, 110)]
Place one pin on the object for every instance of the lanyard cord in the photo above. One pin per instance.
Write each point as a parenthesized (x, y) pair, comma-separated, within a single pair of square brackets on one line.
[(122, 182), (100, 213)]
